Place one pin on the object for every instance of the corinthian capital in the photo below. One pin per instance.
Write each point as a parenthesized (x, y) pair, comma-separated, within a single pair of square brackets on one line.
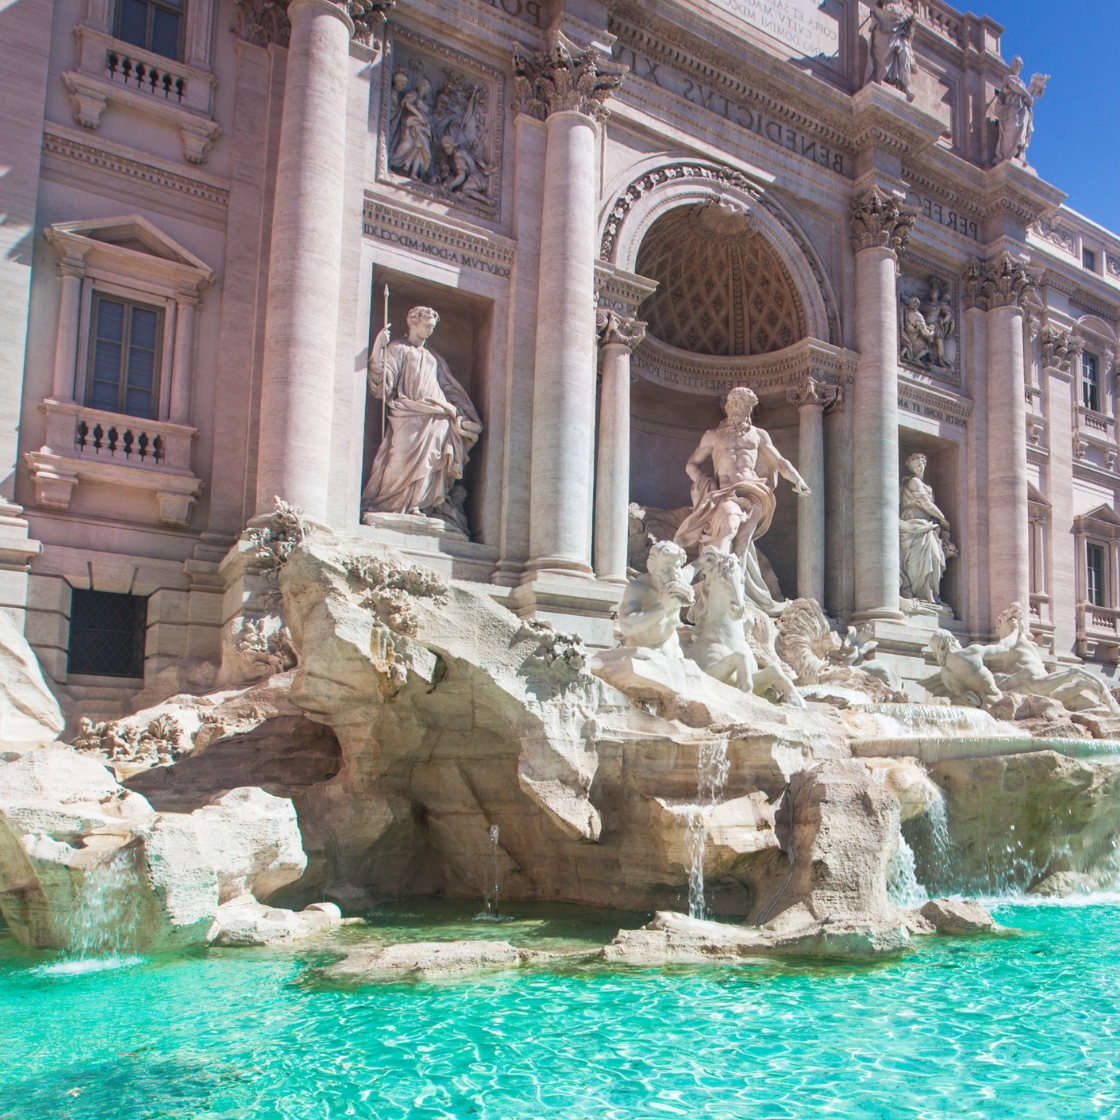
[(813, 393), (615, 328), (1059, 348), (266, 21), (564, 78), (1002, 282), (881, 221)]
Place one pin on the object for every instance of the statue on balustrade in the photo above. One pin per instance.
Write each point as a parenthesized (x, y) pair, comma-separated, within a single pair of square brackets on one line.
[(890, 55), (733, 506), (924, 544), (430, 427), (1013, 108)]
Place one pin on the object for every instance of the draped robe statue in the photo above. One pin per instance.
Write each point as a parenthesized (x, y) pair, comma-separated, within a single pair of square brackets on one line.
[(1013, 109), (431, 426), (922, 527)]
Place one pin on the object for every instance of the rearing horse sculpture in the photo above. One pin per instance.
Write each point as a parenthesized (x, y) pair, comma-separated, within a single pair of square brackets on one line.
[(719, 641)]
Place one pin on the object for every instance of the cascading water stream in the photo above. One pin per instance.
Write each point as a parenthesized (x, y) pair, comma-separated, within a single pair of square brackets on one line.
[(103, 929), (493, 885), (712, 768)]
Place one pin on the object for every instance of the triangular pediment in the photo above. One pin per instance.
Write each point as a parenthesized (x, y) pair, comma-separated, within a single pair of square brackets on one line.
[(1036, 497), (132, 232), (1103, 513)]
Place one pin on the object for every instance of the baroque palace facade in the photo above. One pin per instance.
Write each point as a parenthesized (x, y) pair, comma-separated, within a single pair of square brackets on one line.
[(620, 211)]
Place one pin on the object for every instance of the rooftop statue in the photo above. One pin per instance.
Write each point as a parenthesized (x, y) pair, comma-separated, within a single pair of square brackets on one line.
[(1013, 108), (431, 427), (733, 506), (650, 611), (890, 56), (924, 544)]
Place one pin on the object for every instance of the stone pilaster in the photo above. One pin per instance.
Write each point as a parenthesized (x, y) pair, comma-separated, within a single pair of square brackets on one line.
[(1060, 350), (72, 270), (568, 89), (881, 225), (186, 307), (617, 338), (997, 287), (297, 384), (812, 397)]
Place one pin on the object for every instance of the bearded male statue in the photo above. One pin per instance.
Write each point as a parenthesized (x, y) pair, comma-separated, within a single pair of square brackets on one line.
[(733, 506), (431, 426), (650, 610)]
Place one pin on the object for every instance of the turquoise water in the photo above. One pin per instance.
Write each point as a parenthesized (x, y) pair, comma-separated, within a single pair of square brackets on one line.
[(1012, 1026)]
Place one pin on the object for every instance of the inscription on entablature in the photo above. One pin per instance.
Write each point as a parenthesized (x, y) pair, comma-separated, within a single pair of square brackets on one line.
[(528, 10), (809, 27), (441, 124), (943, 215), (658, 73)]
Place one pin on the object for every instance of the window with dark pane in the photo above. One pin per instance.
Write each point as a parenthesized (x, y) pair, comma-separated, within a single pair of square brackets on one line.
[(1094, 564), (124, 365), (107, 634), (1090, 382), (155, 25)]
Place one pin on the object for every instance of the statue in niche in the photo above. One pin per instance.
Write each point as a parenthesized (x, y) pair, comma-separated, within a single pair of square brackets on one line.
[(890, 56), (437, 139), (1013, 109), (733, 506), (924, 544), (431, 427), (927, 326), (650, 610)]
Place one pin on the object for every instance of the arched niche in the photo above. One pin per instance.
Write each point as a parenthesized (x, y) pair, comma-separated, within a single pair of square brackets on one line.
[(657, 185)]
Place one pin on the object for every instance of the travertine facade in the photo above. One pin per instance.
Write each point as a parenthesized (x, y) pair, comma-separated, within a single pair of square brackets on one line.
[(620, 211)]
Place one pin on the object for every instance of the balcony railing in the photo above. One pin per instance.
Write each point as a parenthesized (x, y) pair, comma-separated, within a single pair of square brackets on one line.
[(145, 76)]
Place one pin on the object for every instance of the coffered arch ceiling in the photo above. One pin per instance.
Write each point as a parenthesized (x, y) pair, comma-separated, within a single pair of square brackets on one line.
[(722, 288)]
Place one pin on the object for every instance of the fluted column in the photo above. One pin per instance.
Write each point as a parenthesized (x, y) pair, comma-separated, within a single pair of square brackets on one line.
[(812, 397), (297, 384), (568, 89), (66, 341), (186, 305), (617, 338), (998, 287), (881, 226)]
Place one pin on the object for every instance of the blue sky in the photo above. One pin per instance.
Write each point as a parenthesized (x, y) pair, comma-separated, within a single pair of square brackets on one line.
[(1075, 144)]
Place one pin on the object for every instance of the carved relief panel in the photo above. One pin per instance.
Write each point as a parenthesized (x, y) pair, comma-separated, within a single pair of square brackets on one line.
[(929, 320), (441, 124)]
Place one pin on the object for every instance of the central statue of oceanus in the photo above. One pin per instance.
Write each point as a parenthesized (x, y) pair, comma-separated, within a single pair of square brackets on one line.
[(733, 506), (431, 426)]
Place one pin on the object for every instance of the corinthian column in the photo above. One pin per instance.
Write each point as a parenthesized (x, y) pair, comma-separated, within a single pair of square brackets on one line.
[(297, 385), (881, 226), (998, 287), (568, 89), (812, 398), (617, 338)]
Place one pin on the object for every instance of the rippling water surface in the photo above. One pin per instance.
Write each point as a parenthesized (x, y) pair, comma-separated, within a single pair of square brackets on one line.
[(1012, 1026)]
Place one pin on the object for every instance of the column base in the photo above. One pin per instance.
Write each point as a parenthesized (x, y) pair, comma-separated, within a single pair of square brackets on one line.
[(570, 601), (557, 564), (876, 613)]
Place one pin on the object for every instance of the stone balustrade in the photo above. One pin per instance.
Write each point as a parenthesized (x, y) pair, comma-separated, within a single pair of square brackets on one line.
[(123, 452)]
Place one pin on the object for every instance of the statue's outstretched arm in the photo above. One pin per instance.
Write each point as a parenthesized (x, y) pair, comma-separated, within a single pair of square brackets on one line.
[(1004, 645), (782, 465)]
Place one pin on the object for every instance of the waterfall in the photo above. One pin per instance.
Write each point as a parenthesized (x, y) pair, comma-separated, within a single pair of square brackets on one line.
[(493, 884), (712, 768), (903, 888), (103, 929)]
